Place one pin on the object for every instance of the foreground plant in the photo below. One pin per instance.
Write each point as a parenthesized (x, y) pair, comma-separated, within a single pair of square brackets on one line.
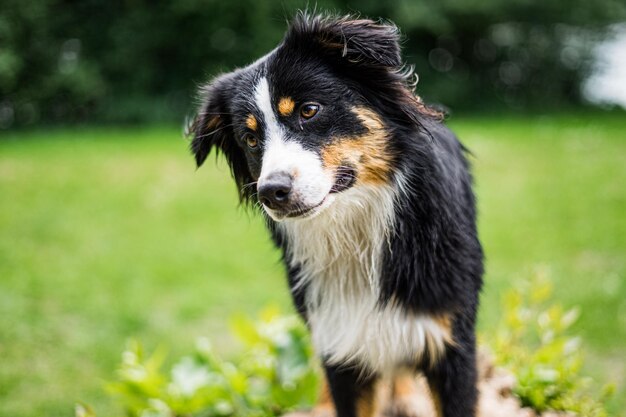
[(277, 371), (535, 344)]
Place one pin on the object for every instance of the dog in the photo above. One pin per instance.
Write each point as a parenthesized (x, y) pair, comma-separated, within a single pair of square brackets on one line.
[(369, 197)]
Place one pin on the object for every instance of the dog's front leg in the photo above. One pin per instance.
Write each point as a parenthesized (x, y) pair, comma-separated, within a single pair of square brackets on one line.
[(354, 394), (452, 381)]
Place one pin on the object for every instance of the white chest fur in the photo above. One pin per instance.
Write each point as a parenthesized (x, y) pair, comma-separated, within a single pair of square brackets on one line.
[(340, 253)]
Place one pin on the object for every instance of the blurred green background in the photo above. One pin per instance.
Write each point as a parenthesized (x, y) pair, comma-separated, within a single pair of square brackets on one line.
[(108, 232), (141, 61)]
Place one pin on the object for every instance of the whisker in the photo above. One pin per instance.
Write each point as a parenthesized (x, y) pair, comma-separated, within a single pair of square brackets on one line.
[(214, 131), (250, 184)]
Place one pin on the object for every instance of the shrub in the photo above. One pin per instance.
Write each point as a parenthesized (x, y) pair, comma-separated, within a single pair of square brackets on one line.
[(534, 342), (277, 371)]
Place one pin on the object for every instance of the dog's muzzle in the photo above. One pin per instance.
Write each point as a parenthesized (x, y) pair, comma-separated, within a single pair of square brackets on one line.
[(275, 192)]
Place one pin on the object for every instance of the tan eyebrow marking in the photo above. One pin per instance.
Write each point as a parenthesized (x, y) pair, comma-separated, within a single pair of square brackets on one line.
[(285, 106), (251, 122)]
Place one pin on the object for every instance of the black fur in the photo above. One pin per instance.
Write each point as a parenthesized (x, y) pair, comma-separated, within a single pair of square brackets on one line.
[(434, 263)]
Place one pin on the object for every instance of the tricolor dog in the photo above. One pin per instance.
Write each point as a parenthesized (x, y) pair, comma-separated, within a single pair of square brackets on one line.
[(369, 197)]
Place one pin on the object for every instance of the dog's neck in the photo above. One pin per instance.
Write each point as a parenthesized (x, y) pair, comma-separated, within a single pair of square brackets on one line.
[(339, 250)]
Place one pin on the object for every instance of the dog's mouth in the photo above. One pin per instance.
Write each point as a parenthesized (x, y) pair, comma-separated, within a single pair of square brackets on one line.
[(300, 212), (345, 177), (304, 212)]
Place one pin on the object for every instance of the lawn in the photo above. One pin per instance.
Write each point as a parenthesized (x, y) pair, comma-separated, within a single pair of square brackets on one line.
[(108, 234)]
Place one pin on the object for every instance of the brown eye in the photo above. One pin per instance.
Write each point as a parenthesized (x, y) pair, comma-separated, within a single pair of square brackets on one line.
[(308, 110), (251, 141)]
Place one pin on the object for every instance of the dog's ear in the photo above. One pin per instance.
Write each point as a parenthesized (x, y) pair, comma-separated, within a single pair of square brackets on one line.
[(212, 128), (365, 51), (359, 42)]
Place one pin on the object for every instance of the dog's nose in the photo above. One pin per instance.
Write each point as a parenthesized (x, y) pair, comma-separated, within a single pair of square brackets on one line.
[(275, 189)]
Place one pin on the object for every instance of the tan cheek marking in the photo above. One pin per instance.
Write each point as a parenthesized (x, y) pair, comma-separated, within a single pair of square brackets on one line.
[(285, 106), (251, 122), (368, 153)]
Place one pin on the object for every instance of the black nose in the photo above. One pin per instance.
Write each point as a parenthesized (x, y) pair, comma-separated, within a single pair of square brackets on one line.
[(275, 189)]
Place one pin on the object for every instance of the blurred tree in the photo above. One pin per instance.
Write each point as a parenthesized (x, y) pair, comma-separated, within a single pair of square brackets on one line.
[(41, 73), (139, 60)]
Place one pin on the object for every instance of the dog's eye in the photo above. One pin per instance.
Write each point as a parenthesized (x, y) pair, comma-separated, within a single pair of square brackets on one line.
[(308, 110), (251, 140)]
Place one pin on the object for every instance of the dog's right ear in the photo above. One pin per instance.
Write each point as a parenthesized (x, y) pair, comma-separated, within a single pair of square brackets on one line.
[(355, 42), (213, 128), (212, 125)]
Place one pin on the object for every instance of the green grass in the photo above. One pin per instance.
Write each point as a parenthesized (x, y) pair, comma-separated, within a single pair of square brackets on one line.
[(108, 234)]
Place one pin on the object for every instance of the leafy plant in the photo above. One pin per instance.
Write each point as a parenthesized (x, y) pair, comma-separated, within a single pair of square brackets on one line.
[(534, 342), (275, 373), (277, 370)]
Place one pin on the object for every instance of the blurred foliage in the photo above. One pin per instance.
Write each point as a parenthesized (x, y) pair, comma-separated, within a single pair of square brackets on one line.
[(129, 61), (278, 373), (275, 373), (534, 343)]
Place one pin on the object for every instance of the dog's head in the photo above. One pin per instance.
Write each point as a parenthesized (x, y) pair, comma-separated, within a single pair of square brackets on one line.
[(313, 118)]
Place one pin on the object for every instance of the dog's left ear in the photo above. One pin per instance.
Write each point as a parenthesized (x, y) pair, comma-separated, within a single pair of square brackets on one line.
[(359, 42)]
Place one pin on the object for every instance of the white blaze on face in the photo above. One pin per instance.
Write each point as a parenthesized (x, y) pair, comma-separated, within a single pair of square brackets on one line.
[(311, 182)]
